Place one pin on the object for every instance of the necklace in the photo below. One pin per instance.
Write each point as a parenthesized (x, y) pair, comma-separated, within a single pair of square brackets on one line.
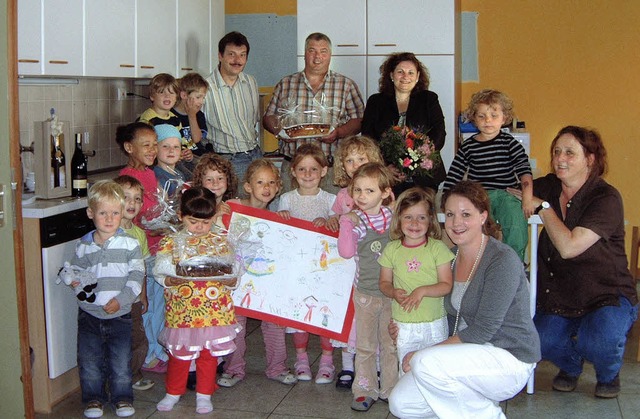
[(384, 222), (466, 283)]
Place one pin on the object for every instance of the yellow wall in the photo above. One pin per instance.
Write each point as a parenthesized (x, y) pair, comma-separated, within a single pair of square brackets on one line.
[(567, 63)]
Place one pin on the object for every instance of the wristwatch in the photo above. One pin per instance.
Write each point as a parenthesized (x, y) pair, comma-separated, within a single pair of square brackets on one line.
[(543, 205)]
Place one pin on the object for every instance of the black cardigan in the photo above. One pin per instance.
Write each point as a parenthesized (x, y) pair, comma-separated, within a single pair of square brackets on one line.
[(424, 113)]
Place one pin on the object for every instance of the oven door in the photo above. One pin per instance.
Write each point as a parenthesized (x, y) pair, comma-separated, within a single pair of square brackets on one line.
[(61, 310)]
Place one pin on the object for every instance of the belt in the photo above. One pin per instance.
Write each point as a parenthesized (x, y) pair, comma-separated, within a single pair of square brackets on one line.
[(239, 152)]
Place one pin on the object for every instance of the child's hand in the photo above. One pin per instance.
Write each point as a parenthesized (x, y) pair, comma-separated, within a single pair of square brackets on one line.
[(528, 207), (221, 210), (112, 306), (319, 222), (412, 302), (174, 282), (285, 214), (186, 155), (191, 106), (353, 217), (399, 295), (333, 223)]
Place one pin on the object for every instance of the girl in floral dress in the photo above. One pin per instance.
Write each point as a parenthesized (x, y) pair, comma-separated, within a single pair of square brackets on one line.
[(200, 318)]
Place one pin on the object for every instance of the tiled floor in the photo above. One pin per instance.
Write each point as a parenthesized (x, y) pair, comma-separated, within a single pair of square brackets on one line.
[(258, 397)]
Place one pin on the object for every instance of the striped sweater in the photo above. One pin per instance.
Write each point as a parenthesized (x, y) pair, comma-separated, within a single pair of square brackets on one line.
[(496, 164), (119, 267)]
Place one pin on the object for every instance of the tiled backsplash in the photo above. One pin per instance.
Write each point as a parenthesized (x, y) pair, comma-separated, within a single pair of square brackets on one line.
[(90, 106)]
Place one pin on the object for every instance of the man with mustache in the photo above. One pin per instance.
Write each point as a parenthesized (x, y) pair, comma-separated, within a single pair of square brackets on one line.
[(314, 85), (232, 105)]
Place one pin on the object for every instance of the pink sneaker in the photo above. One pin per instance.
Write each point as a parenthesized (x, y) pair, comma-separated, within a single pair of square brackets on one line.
[(159, 367)]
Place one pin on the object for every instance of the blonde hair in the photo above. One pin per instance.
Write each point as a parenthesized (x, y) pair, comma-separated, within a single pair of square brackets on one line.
[(105, 191), (358, 144), (307, 150), (410, 197), (260, 164), (375, 171), (490, 98), (192, 82), (161, 81)]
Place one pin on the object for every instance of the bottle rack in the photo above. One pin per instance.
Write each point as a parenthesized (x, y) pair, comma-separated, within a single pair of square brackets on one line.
[(42, 160)]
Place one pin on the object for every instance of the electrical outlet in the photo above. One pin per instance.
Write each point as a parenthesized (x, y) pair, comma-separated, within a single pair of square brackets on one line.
[(122, 93)]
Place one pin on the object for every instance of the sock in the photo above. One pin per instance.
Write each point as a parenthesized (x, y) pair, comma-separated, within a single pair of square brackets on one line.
[(326, 360), (302, 356), (347, 361), (167, 403), (203, 403)]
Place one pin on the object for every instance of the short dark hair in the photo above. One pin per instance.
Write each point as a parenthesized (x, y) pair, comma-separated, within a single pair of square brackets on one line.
[(591, 143), (128, 133), (385, 85), (234, 38), (198, 202)]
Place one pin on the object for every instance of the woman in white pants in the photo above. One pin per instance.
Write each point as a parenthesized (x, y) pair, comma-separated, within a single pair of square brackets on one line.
[(494, 346)]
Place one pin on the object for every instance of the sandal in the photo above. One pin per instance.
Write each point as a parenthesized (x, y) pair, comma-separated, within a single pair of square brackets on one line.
[(302, 370), (326, 374), (285, 378), (362, 403), (345, 383)]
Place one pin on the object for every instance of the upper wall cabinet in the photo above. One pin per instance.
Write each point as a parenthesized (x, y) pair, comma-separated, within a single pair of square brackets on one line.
[(195, 49), (156, 37), (110, 38), (346, 28), (30, 37), (418, 26)]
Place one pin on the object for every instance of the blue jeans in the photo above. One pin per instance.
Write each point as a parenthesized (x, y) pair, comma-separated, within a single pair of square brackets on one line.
[(240, 163), (104, 357), (599, 337), (154, 317)]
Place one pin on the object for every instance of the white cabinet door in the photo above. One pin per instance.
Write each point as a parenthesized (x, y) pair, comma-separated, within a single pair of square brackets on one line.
[(217, 31), (441, 81), (110, 38), (418, 26), (352, 66), (63, 49), (156, 37), (194, 44), (344, 22), (30, 37)]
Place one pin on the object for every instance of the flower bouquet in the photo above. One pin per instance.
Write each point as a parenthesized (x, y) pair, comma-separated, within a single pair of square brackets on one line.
[(410, 151)]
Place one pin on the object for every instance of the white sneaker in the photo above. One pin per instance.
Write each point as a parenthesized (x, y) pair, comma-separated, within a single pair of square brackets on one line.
[(124, 410), (93, 410)]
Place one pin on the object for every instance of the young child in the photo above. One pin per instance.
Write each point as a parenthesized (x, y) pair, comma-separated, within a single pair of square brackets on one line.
[(139, 142), (133, 192), (104, 327), (352, 153), (168, 175), (163, 93), (262, 183), (192, 91), (497, 161), (416, 272), (363, 234), (216, 174), (308, 202), (200, 319)]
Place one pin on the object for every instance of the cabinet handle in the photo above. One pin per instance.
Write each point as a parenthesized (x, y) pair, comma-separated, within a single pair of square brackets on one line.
[(25, 60), (126, 65), (186, 69), (385, 45), (347, 45), (58, 62), (147, 66)]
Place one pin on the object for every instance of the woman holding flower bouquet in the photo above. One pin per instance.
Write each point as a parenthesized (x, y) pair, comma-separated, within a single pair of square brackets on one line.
[(408, 122)]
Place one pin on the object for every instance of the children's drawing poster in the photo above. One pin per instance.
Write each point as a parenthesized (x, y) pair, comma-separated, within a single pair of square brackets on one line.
[(294, 275)]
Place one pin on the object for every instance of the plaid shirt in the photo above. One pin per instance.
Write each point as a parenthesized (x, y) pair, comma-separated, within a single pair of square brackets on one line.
[(340, 93)]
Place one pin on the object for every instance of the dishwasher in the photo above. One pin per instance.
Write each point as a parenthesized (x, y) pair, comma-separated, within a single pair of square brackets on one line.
[(58, 237)]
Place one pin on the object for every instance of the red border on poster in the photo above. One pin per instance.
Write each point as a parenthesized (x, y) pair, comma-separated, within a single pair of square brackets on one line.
[(343, 336)]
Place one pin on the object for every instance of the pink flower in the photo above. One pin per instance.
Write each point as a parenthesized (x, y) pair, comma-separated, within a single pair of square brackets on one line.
[(427, 164), (406, 162), (409, 143)]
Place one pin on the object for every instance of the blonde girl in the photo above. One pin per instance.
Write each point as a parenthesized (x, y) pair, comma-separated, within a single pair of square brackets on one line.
[(364, 232), (200, 319), (353, 152), (309, 202), (139, 142), (416, 272), (262, 183)]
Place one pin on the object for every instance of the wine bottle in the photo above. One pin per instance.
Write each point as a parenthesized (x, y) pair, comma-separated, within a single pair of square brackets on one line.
[(55, 168), (78, 170), (58, 166)]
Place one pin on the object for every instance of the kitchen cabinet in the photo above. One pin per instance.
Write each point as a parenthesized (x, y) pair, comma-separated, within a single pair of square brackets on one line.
[(30, 37), (196, 48), (110, 38), (344, 22), (156, 37), (62, 37)]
